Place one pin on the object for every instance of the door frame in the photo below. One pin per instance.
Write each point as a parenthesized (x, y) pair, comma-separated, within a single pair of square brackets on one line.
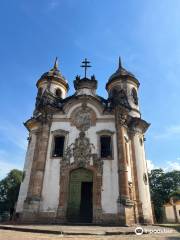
[(88, 177), (64, 192)]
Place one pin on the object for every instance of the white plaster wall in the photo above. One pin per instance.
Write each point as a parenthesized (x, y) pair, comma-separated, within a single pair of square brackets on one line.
[(141, 167), (170, 217), (51, 186), (110, 189), (27, 169), (50, 191), (129, 163), (54, 86), (86, 91)]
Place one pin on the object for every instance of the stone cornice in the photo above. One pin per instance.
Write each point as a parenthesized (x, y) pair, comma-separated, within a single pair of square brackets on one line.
[(105, 132), (138, 124), (59, 132), (31, 123)]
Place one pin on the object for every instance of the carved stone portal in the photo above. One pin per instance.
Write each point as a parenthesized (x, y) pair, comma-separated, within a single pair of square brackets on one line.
[(80, 154)]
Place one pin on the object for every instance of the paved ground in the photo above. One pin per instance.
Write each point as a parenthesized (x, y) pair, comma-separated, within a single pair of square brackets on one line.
[(54, 232), (87, 230), (14, 235)]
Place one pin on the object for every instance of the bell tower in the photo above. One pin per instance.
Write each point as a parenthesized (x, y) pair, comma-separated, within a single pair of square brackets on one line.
[(124, 82), (54, 82), (122, 89)]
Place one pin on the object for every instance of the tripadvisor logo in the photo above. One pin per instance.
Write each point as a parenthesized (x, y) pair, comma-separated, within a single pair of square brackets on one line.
[(139, 231)]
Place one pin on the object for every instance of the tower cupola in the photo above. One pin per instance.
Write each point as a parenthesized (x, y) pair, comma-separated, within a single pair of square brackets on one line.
[(123, 80), (53, 81), (121, 74)]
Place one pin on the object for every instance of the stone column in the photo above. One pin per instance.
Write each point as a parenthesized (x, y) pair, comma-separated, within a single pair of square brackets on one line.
[(125, 204), (122, 162), (138, 128), (32, 202), (138, 203)]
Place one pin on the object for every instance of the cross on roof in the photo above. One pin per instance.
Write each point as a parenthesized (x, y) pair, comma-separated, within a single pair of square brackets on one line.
[(85, 65)]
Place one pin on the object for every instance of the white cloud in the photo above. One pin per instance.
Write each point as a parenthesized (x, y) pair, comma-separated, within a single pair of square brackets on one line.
[(169, 132), (173, 165), (150, 165), (167, 166)]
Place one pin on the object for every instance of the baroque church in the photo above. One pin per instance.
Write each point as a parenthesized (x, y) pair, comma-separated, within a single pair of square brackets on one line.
[(85, 161)]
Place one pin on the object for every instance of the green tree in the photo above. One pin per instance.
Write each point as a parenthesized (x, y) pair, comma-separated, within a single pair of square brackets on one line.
[(163, 185), (9, 189)]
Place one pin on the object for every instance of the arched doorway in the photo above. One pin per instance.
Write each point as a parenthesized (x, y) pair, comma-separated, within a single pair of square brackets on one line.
[(80, 200)]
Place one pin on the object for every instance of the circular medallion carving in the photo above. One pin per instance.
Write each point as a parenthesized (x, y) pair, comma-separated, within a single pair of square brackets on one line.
[(83, 118)]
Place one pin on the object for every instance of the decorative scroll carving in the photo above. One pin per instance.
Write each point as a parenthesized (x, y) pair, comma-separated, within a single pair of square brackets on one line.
[(82, 149), (83, 118), (122, 119), (82, 153), (122, 115)]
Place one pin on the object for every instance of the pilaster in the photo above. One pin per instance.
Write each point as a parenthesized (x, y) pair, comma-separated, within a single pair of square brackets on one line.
[(138, 203), (33, 200), (126, 213)]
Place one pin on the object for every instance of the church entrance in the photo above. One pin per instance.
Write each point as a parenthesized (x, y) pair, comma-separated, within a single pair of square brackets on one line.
[(80, 202)]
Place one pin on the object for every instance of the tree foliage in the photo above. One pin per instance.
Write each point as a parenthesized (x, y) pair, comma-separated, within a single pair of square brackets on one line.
[(9, 189), (163, 185)]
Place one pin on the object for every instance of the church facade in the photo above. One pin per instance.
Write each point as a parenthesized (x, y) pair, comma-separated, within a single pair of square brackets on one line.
[(85, 161)]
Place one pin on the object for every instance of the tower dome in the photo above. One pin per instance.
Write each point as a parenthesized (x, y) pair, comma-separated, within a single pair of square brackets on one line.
[(54, 81), (124, 81), (123, 74)]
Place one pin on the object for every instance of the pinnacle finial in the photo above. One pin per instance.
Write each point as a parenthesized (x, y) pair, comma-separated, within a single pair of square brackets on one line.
[(56, 64), (120, 64)]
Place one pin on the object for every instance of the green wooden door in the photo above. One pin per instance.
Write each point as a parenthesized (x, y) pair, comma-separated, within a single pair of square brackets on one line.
[(76, 178)]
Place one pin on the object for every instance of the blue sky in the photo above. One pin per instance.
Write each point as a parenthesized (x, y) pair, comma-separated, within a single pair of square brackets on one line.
[(146, 34)]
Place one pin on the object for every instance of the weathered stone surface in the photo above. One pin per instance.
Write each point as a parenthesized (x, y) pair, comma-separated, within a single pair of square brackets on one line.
[(120, 190)]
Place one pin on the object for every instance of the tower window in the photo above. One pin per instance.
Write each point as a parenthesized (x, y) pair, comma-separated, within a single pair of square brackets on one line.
[(58, 93), (106, 146), (134, 95), (58, 150)]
